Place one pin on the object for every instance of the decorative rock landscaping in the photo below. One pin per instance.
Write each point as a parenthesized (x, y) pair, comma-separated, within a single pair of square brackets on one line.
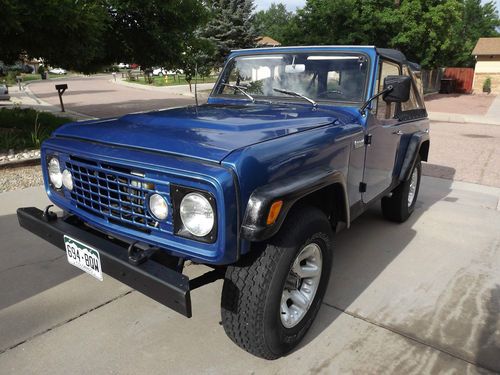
[(17, 170)]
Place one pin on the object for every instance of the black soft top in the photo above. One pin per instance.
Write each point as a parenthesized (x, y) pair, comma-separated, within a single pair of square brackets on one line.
[(397, 56), (392, 54)]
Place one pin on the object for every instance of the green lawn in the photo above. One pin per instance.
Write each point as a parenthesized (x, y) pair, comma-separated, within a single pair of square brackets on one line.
[(25, 128), (11, 79), (172, 80)]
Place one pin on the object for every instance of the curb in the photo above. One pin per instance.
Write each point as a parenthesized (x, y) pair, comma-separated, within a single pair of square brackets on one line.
[(167, 89), (20, 163), (462, 119)]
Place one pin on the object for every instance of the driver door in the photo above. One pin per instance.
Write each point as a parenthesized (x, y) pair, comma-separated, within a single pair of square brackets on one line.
[(384, 133)]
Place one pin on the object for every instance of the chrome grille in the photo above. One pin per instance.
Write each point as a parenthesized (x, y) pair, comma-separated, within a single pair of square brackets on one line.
[(113, 193)]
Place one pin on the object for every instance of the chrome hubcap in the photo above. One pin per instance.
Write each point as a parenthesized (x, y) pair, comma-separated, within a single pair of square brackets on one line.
[(301, 285), (413, 187)]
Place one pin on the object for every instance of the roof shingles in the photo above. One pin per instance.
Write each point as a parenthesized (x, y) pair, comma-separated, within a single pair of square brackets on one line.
[(487, 46)]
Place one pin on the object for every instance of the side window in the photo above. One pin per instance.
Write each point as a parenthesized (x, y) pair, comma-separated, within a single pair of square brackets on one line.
[(414, 108), (415, 101), (386, 110)]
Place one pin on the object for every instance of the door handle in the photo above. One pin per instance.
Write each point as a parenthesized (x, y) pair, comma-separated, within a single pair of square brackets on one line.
[(399, 132)]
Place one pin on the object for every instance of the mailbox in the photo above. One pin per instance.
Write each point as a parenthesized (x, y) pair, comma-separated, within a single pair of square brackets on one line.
[(64, 86), (60, 90)]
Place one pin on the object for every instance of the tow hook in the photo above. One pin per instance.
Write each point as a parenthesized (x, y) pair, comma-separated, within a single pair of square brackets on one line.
[(138, 256), (49, 215)]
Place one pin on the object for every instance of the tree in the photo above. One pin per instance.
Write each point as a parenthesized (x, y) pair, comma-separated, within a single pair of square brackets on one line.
[(431, 32), (428, 31), (342, 22), (230, 27), (64, 32), (196, 56), (85, 35), (479, 20), (273, 22), (152, 32)]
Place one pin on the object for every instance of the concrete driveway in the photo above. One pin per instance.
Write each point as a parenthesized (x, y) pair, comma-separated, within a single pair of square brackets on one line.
[(420, 297)]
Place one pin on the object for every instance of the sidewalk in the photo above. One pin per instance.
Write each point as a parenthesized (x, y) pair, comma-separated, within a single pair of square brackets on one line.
[(479, 109), (26, 99), (174, 89)]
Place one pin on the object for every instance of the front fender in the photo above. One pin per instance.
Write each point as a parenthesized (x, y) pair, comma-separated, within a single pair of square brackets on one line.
[(290, 190)]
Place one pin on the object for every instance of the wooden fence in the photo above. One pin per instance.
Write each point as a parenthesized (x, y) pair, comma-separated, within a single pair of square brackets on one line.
[(462, 77)]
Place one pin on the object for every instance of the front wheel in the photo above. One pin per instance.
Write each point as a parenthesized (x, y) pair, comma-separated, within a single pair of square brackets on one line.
[(401, 204), (270, 301)]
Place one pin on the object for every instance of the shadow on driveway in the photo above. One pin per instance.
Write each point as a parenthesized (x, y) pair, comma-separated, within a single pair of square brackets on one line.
[(29, 265), (363, 252)]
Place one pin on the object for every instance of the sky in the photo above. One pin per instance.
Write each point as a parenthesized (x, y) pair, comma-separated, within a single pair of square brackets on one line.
[(293, 4), (290, 4)]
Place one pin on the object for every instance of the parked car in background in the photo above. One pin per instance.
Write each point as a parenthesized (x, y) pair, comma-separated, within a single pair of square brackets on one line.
[(19, 67), (4, 92), (123, 66), (173, 72), (160, 72), (58, 71)]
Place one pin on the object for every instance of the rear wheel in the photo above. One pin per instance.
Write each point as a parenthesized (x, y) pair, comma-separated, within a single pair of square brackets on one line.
[(401, 204), (270, 301)]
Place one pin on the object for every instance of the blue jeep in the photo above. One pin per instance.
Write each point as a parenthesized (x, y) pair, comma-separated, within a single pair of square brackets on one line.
[(293, 144)]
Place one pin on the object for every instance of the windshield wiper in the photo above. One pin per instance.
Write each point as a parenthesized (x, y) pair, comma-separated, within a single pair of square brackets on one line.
[(241, 89), (298, 95)]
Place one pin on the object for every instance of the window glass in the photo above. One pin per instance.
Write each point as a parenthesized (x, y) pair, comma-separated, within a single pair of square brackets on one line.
[(386, 110), (415, 101), (336, 77)]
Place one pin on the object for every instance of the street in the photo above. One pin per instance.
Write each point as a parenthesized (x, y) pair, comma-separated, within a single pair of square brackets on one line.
[(99, 96)]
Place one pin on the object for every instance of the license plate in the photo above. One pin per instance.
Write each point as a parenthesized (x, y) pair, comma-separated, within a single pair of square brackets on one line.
[(83, 256)]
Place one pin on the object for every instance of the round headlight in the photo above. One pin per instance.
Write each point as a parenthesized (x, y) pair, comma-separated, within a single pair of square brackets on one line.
[(197, 214), (158, 206), (55, 174), (67, 179)]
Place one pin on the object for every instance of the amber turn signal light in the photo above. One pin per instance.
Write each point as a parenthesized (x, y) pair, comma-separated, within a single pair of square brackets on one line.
[(274, 211)]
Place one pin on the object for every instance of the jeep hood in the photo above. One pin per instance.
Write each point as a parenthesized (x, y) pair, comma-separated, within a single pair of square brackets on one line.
[(209, 132)]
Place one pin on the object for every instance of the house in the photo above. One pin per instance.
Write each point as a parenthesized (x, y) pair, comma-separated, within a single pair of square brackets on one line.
[(487, 54), (266, 41)]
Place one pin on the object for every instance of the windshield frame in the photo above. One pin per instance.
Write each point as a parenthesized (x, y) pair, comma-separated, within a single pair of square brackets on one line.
[(280, 99)]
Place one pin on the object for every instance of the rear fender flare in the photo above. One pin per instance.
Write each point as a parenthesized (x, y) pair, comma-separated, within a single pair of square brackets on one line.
[(412, 152)]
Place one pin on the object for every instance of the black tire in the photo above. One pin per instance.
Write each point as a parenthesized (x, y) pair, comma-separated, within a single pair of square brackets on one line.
[(396, 207), (252, 291)]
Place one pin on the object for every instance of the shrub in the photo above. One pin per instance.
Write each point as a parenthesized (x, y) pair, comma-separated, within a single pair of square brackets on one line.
[(41, 69), (22, 128), (487, 85)]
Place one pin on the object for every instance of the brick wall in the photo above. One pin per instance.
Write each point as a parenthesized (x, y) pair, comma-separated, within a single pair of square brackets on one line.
[(479, 79)]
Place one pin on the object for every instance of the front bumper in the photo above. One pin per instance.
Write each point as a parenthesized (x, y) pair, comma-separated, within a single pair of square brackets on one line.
[(157, 281)]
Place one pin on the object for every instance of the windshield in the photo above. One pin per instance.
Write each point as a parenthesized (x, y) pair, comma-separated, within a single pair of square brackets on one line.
[(318, 76)]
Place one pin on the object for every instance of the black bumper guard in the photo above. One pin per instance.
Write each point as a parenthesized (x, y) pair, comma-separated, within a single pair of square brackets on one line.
[(153, 279)]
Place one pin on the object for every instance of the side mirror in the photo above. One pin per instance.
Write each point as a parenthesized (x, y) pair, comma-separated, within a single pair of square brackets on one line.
[(400, 91)]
